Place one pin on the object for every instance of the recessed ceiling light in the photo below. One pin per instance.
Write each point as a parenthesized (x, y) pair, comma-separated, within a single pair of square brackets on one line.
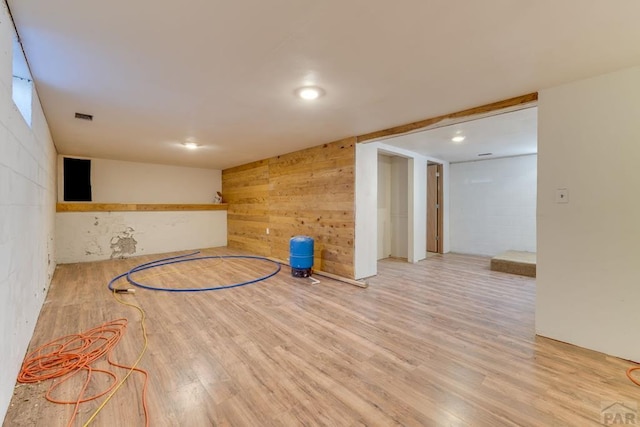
[(190, 145), (458, 138), (310, 92)]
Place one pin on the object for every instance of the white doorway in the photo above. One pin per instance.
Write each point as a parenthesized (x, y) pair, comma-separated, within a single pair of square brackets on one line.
[(393, 206), (504, 134)]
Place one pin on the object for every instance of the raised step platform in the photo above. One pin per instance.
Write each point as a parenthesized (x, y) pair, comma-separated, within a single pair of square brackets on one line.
[(515, 262)]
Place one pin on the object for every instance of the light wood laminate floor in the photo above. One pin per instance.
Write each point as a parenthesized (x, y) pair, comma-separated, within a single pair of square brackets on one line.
[(445, 342)]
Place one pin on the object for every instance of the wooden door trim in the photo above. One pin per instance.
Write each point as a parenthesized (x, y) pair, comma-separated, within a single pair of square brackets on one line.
[(439, 215), (440, 209), (432, 215)]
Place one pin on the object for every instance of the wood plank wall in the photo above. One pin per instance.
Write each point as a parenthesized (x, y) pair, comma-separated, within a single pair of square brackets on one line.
[(308, 192), (245, 189)]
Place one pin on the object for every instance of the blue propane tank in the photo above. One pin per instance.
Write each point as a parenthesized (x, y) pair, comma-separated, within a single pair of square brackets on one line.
[(301, 256)]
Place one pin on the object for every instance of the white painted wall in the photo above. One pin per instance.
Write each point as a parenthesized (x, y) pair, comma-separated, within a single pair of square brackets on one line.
[(417, 182), (384, 206), (493, 205), (27, 208), (588, 273), (115, 181), (365, 260), (366, 238), (399, 206), (92, 236)]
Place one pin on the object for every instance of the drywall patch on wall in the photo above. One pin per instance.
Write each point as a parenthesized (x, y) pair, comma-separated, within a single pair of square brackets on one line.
[(93, 236), (123, 244)]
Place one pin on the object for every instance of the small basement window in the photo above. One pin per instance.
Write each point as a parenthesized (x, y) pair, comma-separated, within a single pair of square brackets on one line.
[(22, 89), (77, 180)]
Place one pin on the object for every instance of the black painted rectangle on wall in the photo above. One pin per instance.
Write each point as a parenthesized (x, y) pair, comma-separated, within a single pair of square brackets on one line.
[(77, 180)]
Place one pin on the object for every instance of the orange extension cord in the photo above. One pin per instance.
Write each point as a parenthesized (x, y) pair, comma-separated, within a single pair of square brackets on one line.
[(630, 375), (67, 356)]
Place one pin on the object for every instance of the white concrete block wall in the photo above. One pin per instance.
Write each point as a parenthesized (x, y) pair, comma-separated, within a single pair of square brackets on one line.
[(493, 205), (92, 236), (27, 212)]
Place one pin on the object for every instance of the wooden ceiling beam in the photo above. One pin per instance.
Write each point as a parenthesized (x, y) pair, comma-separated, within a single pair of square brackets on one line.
[(483, 109)]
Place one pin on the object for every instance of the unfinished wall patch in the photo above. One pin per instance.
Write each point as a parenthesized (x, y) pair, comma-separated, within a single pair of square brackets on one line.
[(78, 239), (123, 244)]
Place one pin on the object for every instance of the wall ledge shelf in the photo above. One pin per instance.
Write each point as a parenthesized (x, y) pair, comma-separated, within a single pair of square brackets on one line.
[(137, 207)]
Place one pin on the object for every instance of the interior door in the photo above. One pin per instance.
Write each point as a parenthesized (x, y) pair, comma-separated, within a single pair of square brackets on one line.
[(434, 208)]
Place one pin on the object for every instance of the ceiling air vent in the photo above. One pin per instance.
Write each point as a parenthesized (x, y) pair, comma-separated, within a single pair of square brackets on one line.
[(83, 116)]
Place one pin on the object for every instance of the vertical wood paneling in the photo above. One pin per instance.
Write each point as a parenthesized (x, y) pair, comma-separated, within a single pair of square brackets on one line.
[(308, 192)]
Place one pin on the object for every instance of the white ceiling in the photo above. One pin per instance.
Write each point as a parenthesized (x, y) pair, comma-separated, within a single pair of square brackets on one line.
[(155, 72), (503, 135)]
